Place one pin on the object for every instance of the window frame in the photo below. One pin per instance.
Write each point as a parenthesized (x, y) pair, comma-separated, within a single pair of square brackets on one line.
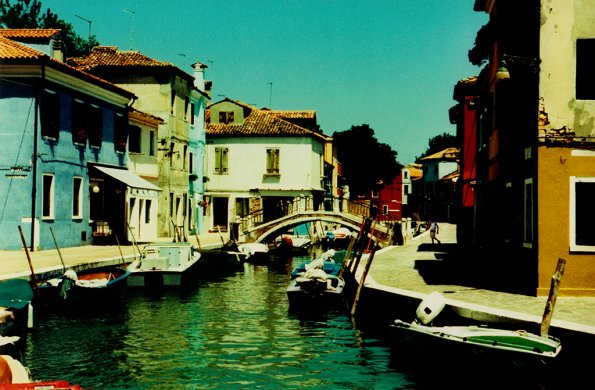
[(95, 127), (48, 197), (135, 134), (273, 161), (528, 213), (50, 115), (221, 166), (79, 122), (574, 247), (584, 77), (77, 197)]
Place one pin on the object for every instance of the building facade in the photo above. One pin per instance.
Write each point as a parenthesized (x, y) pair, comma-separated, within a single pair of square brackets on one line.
[(535, 177), (60, 127), (167, 92), (258, 164)]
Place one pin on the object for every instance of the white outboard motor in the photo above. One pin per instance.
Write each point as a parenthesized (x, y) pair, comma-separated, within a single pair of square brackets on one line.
[(429, 308)]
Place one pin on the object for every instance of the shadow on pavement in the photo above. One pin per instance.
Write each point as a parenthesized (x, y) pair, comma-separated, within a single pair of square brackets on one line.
[(452, 266)]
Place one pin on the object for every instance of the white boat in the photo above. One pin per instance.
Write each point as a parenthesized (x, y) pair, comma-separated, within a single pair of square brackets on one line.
[(316, 288), (163, 264), (477, 341), (254, 250)]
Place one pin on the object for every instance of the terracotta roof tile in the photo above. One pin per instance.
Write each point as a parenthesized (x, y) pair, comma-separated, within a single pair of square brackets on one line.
[(307, 114), (22, 33), (261, 123), (446, 154), (111, 57), (11, 50)]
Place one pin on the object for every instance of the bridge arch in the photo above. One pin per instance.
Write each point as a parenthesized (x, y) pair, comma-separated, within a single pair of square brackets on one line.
[(283, 224)]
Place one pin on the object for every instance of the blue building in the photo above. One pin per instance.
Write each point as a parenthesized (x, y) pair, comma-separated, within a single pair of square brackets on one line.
[(64, 148)]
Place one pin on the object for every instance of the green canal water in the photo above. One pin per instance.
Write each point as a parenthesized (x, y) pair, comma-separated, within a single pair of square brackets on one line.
[(233, 331)]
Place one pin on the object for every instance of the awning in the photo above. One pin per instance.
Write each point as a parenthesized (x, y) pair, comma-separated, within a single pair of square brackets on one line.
[(130, 179)]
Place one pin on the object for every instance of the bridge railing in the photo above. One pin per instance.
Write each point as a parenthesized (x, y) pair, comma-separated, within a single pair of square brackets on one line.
[(359, 208)]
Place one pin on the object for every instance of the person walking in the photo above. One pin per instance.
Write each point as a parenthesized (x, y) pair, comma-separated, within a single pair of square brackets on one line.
[(434, 229)]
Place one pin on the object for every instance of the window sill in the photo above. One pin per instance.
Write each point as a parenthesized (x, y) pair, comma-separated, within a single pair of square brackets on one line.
[(272, 175)]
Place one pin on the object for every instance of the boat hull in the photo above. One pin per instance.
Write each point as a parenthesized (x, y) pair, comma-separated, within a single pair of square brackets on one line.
[(163, 265), (316, 293), (474, 342), (91, 285)]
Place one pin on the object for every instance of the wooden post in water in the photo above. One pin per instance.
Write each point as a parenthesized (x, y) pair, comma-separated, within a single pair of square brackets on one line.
[(33, 277), (362, 280), (58, 249), (347, 255), (551, 300)]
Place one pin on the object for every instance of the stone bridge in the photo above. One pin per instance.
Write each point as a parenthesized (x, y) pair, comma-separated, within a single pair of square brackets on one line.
[(352, 217)]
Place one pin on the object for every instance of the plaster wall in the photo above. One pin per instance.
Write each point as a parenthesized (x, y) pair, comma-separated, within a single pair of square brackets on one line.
[(555, 166), (562, 23), (300, 164)]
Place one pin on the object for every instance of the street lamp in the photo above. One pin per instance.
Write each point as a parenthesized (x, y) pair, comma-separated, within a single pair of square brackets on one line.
[(531, 64)]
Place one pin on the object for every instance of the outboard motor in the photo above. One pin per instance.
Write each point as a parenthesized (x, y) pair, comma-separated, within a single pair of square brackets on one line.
[(429, 308)]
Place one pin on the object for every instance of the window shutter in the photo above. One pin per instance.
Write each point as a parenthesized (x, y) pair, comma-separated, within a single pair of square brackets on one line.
[(224, 157), (217, 160)]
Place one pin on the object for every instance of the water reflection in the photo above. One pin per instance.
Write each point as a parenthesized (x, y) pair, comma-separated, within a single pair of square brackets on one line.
[(235, 331)]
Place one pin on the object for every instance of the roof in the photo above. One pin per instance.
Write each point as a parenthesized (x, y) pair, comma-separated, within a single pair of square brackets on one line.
[(145, 116), (15, 53), (261, 123), (415, 173), (453, 176), (110, 57), (307, 114), (446, 154), (24, 33)]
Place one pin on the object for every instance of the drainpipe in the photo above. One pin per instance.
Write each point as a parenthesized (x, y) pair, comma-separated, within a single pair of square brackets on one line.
[(34, 157)]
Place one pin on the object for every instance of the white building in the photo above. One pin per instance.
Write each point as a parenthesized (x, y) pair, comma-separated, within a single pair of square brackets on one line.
[(258, 163)]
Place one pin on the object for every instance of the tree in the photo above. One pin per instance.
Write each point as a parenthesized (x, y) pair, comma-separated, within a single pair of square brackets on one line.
[(438, 143), (367, 164), (27, 14)]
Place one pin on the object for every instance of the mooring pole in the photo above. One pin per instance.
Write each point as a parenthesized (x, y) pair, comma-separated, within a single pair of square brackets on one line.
[(33, 277), (551, 300), (362, 280)]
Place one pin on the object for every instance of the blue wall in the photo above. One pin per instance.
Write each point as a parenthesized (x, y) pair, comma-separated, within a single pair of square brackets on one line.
[(62, 158)]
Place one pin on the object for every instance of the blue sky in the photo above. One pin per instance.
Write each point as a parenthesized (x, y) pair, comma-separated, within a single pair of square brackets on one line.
[(391, 64)]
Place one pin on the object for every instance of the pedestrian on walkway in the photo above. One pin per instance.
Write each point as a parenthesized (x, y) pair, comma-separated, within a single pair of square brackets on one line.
[(434, 229)]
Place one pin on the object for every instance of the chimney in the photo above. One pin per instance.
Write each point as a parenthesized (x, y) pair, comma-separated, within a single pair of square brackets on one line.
[(199, 75), (57, 48)]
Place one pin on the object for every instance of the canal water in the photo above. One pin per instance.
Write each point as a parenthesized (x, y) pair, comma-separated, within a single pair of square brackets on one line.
[(231, 331)]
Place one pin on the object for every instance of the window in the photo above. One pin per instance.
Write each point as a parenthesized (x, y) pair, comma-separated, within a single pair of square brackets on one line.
[(242, 207), (221, 157), (95, 126), (173, 101), (272, 161), (120, 133), (50, 115), (226, 117), (151, 143), (77, 197), (172, 148), (186, 106), (184, 158), (406, 189), (47, 207), (582, 214), (134, 139), (405, 175), (191, 163), (528, 215), (148, 211), (79, 122), (374, 194), (384, 209), (585, 78), (192, 113)]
